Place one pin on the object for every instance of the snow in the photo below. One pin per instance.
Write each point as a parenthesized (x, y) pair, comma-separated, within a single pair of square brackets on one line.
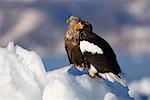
[(110, 96), (140, 90), (22, 74), (68, 87), (23, 77)]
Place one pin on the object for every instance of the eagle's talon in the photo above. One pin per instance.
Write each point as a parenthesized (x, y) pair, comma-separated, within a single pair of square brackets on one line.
[(72, 65), (82, 65), (93, 77)]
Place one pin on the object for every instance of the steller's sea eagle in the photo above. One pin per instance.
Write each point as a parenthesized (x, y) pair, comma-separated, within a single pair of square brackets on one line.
[(87, 49)]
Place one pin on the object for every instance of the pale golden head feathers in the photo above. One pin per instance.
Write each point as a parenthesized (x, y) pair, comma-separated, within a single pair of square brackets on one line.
[(74, 21)]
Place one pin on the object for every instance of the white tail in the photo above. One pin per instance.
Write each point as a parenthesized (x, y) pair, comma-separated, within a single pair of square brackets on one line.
[(112, 77)]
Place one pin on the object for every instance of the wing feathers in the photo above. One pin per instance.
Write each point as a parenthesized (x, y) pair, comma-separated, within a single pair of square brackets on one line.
[(112, 77)]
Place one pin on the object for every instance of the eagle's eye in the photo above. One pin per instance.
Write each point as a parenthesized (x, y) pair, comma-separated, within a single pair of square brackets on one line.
[(68, 21)]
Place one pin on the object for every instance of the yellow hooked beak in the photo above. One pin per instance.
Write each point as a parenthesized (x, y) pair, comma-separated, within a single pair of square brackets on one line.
[(78, 26)]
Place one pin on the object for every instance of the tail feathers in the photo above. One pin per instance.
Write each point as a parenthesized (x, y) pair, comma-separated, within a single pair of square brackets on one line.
[(112, 77)]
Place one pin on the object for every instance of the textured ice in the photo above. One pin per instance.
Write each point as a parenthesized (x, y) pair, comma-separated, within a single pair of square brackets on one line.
[(23, 77), (22, 74)]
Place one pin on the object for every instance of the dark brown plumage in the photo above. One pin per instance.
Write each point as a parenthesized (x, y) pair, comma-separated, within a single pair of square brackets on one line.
[(72, 42)]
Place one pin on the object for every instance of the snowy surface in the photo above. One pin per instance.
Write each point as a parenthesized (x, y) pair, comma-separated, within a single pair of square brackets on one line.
[(22, 74), (65, 85), (23, 77), (140, 89)]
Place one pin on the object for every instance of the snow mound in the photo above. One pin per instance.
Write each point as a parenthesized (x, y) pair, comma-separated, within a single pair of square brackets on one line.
[(23, 77), (64, 85), (140, 90), (22, 74)]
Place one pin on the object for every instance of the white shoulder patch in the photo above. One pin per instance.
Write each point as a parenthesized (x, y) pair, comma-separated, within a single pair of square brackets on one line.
[(89, 47)]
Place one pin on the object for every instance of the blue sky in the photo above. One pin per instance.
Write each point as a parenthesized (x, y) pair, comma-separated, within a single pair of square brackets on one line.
[(39, 25)]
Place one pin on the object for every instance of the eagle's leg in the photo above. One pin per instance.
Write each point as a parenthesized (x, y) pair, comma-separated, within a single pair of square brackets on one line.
[(73, 65), (92, 74), (92, 71), (81, 67)]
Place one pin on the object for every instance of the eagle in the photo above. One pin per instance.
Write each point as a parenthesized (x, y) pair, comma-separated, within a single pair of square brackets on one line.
[(88, 50)]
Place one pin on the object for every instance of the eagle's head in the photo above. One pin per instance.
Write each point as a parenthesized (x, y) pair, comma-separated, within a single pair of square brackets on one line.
[(74, 21)]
